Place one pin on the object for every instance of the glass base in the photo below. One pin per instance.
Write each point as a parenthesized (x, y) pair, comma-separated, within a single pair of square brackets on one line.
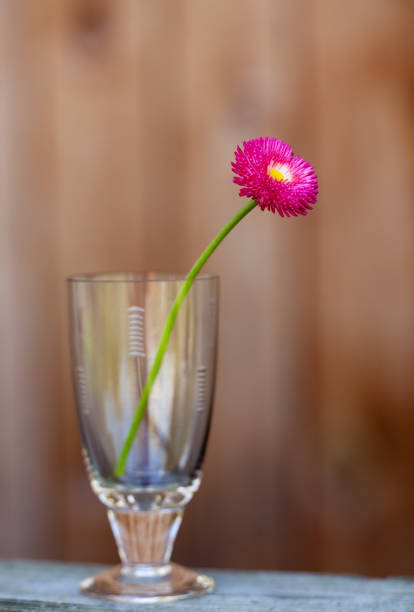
[(147, 583)]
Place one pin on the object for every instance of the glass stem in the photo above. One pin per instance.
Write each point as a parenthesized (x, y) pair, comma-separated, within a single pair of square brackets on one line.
[(145, 538), (162, 347)]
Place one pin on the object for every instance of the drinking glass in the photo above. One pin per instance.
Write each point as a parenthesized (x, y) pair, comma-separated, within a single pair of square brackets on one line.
[(116, 324)]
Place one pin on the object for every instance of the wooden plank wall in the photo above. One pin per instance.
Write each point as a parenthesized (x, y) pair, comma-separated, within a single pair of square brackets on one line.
[(118, 121), (31, 471), (241, 86), (365, 118), (120, 149)]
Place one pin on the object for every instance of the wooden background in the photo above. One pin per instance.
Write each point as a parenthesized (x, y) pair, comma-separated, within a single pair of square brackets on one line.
[(118, 122)]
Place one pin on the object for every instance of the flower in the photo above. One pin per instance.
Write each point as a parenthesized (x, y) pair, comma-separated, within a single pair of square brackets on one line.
[(275, 179)]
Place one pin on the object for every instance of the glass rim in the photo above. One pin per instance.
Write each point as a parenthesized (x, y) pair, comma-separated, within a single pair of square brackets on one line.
[(161, 277)]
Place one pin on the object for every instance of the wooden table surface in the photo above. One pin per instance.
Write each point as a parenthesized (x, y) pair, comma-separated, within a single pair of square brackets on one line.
[(46, 586)]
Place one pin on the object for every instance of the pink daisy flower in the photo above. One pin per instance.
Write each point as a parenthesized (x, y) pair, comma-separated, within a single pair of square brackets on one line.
[(270, 175)]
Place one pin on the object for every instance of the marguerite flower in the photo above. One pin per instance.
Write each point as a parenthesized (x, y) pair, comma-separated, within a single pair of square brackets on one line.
[(275, 179)]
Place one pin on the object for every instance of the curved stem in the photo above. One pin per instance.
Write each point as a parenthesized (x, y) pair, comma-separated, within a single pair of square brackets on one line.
[(169, 324)]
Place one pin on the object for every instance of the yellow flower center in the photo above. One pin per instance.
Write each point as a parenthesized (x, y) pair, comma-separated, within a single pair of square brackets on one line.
[(276, 174)]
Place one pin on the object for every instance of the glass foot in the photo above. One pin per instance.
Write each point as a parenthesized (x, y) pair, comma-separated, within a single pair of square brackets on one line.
[(147, 583)]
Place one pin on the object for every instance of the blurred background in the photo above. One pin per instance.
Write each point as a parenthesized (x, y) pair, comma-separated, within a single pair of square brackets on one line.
[(118, 122)]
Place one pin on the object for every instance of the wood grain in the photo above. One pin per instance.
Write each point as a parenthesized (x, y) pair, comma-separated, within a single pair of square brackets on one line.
[(54, 586), (118, 123), (243, 87), (30, 365), (365, 79)]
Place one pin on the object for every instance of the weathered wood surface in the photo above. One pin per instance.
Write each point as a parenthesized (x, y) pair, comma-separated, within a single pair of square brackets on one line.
[(32, 585)]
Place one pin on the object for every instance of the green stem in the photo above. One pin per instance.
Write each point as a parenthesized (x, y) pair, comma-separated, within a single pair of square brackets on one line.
[(162, 347)]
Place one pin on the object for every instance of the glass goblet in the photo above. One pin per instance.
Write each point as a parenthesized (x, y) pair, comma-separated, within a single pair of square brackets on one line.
[(116, 324)]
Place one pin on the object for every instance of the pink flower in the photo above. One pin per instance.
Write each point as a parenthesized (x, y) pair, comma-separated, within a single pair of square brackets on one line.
[(270, 175)]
